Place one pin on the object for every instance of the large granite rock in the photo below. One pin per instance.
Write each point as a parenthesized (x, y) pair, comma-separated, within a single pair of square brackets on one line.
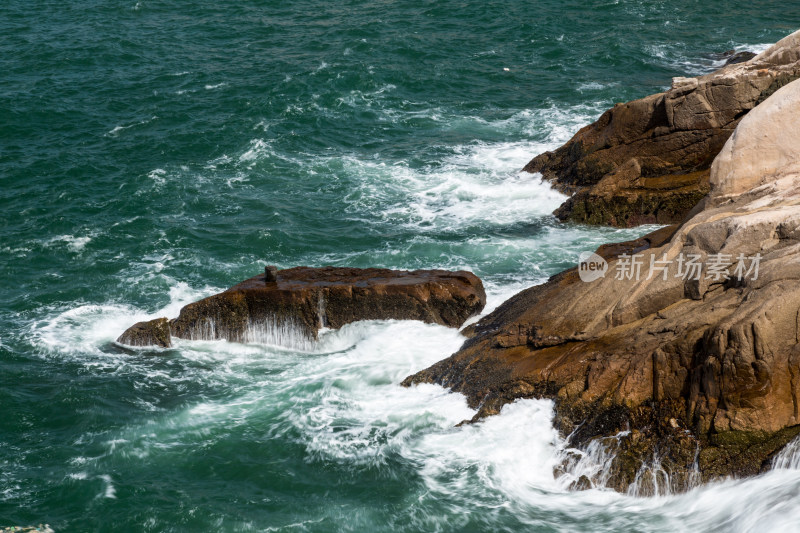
[(647, 161), (290, 306), (698, 375)]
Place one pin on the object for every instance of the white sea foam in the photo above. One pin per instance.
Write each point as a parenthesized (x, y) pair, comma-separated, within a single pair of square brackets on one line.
[(343, 398), (676, 56), (361, 412), (362, 99), (158, 176), (109, 491), (117, 129), (270, 331), (84, 329), (510, 458), (514, 452), (20, 251), (477, 184), (755, 48), (594, 86), (74, 243), (480, 184), (258, 149)]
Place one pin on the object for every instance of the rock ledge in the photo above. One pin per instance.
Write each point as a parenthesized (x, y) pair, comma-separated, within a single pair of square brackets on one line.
[(290, 306)]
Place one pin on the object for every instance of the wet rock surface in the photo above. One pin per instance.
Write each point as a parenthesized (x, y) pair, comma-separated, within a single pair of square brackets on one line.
[(733, 57), (295, 303), (696, 376), (648, 161), (151, 333)]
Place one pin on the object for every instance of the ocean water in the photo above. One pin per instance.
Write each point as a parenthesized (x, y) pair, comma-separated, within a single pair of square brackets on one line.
[(152, 153)]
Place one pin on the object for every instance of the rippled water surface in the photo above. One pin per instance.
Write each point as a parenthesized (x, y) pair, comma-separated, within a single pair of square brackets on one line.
[(152, 153)]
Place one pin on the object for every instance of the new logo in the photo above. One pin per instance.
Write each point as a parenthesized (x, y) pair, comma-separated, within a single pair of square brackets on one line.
[(591, 266)]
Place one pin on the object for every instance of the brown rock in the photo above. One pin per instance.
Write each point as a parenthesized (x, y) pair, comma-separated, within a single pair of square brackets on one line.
[(647, 161), (270, 274), (705, 371), (152, 333), (582, 483), (302, 300)]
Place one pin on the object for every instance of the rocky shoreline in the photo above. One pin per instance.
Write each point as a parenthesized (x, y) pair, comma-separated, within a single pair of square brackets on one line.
[(648, 161), (694, 373)]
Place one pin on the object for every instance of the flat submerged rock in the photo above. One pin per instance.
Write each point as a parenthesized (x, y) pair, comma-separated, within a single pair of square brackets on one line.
[(302, 300)]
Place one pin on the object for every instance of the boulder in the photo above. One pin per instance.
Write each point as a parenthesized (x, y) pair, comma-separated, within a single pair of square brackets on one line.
[(289, 307), (647, 161), (698, 375), (151, 333)]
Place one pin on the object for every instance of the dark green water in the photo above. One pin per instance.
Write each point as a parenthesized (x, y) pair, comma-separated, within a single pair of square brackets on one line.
[(155, 152)]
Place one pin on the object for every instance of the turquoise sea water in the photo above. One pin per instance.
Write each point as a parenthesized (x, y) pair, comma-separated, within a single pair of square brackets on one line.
[(152, 153)]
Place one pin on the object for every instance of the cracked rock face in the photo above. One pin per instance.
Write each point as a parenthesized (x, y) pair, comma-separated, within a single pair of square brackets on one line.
[(704, 370), (292, 305), (648, 160)]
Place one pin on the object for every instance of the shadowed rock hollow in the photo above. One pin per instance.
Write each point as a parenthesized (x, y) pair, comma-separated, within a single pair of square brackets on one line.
[(695, 374), (292, 306), (648, 160)]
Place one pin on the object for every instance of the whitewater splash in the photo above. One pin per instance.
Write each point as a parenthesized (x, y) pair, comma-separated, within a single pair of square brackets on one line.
[(591, 467), (789, 457), (476, 184), (284, 332)]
